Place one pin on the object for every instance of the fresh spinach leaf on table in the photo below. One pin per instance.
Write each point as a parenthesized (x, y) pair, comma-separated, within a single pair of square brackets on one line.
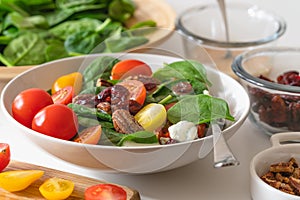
[(25, 50), (80, 25)]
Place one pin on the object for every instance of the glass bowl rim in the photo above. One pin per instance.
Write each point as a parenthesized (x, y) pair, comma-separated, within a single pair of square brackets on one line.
[(180, 27), (237, 67)]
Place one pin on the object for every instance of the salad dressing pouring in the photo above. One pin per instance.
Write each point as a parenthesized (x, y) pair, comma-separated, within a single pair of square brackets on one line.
[(222, 154), (222, 7)]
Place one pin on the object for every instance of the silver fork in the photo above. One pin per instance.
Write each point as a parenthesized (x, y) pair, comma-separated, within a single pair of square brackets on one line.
[(223, 156)]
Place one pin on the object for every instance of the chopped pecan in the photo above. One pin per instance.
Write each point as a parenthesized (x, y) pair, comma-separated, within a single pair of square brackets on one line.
[(295, 182), (104, 106), (284, 176), (101, 82), (286, 187), (282, 167), (293, 162), (124, 122), (296, 173)]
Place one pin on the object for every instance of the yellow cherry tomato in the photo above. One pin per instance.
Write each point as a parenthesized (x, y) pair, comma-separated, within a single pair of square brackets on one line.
[(73, 79), (152, 116), (18, 180), (56, 188)]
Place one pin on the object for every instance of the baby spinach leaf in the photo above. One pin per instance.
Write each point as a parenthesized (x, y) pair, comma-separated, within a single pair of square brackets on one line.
[(27, 49), (100, 67), (124, 43), (67, 28), (55, 50), (121, 10), (81, 110), (109, 136), (85, 41), (82, 42), (21, 22), (186, 69), (62, 15), (143, 24), (144, 137), (189, 70), (199, 109), (63, 4), (88, 122)]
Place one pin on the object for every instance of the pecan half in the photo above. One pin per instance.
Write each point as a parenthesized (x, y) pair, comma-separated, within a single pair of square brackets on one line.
[(124, 122)]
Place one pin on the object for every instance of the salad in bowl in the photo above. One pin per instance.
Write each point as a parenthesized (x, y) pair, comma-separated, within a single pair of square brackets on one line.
[(108, 111)]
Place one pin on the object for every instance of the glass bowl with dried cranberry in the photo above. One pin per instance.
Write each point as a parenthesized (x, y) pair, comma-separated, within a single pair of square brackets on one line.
[(272, 80)]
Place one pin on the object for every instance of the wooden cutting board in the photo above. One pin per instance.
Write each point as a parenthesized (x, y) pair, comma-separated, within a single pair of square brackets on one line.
[(32, 192)]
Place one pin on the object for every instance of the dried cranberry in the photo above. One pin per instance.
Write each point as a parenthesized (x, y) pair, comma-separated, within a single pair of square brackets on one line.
[(289, 78), (104, 95)]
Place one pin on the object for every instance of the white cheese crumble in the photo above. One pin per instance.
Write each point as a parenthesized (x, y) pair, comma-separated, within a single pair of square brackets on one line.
[(183, 131), (206, 92)]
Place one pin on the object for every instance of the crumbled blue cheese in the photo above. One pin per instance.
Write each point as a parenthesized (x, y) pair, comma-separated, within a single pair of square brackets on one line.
[(183, 131)]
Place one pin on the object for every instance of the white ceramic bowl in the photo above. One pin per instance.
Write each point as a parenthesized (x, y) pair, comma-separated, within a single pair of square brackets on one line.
[(140, 160), (279, 152)]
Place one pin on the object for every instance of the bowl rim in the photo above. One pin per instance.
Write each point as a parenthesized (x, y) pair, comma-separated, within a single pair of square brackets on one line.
[(8, 116), (179, 26), (237, 67)]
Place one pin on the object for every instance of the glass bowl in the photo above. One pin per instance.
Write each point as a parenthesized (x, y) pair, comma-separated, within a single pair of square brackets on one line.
[(248, 27), (274, 107)]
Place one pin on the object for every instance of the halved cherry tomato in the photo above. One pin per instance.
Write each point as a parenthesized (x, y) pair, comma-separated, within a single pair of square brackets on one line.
[(64, 95), (105, 192), (4, 156), (130, 67), (56, 120), (56, 188), (18, 180), (73, 79), (136, 89), (90, 135), (27, 103)]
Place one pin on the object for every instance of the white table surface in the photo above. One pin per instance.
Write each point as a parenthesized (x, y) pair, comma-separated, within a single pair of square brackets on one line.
[(199, 180)]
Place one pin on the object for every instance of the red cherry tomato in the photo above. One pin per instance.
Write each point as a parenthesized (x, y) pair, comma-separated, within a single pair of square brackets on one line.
[(130, 67), (4, 156), (27, 103), (56, 120), (105, 192), (90, 135), (64, 95), (137, 90)]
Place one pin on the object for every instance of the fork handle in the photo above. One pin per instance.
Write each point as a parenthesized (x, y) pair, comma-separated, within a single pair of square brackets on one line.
[(223, 156)]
